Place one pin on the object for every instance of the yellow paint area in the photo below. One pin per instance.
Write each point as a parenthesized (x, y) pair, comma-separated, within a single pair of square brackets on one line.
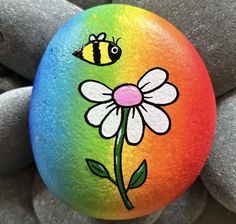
[(103, 46), (88, 53)]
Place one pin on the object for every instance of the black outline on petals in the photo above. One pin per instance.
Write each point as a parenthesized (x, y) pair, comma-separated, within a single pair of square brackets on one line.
[(90, 80), (100, 127), (166, 104), (167, 77), (170, 123), (113, 98), (143, 128), (113, 102), (90, 108)]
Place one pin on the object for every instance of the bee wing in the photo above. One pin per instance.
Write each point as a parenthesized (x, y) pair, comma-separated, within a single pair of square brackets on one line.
[(101, 36), (92, 37)]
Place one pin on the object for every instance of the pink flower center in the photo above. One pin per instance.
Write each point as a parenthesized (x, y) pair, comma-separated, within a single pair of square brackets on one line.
[(127, 95)]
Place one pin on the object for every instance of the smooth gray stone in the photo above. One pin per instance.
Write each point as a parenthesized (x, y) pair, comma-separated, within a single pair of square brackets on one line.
[(219, 173), (15, 147), (26, 28), (10, 80), (211, 26), (89, 3), (150, 219), (16, 198), (187, 208), (215, 213), (49, 210)]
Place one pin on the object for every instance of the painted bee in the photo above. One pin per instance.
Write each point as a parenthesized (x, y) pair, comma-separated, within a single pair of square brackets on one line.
[(99, 51)]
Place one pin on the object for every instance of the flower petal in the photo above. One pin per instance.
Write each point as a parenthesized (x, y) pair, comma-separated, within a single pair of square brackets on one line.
[(97, 113), (164, 95), (156, 119), (111, 123), (95, 91), (152, 79), (135, 127)]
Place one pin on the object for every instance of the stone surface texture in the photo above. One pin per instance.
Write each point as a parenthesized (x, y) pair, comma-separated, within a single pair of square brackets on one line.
[(85, 4), (26, 28), (10, 80), (215, 213), (211, 26), (50, 210), (150, 219), (187, 208), (16, 198), (219, 174), (15, 144)]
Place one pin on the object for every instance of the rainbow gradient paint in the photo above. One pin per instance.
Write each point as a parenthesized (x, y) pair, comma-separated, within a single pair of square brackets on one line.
[(62, 139)]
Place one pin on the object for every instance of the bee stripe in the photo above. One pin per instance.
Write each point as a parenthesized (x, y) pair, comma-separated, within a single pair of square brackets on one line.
[(104, 52), (96, 53), (88, 53)]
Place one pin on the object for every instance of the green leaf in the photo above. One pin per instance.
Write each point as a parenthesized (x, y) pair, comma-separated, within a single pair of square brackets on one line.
[(97, 168), (139, 176)]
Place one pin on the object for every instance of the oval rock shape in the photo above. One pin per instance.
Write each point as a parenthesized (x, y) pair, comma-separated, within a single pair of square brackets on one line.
[(219, 172), (16, 152), (112, 155)]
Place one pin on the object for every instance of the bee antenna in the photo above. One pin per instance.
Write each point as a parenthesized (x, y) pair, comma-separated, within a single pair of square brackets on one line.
[(118, 40), (113, 39)]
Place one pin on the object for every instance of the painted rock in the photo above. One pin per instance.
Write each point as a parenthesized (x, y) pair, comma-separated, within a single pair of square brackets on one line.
[(122, 114)]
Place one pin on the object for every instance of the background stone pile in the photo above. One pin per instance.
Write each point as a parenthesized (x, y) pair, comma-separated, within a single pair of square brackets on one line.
[(26, 28)]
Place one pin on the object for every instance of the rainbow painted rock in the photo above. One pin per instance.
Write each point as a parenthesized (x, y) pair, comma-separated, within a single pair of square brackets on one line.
[(123, 113)]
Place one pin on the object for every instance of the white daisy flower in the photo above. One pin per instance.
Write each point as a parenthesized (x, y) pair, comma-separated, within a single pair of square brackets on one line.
[(143, 101)]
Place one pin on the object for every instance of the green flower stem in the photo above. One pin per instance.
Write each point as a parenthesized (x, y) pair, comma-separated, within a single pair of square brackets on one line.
[(112, 180), (118, 159)]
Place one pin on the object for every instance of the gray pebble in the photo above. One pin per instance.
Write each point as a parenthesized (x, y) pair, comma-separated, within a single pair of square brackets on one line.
[(26, 28), (215, 213), (51, 211), (16, 198), (150, 219), (10, 80), (219, 174), (211, 26), (48, 209), (187, 208), (89, 3), (15, 144)]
